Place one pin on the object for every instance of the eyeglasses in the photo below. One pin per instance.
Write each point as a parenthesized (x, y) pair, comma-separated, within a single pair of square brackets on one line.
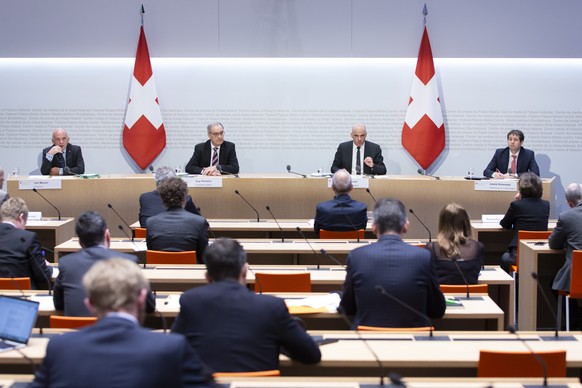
[(216, 134)]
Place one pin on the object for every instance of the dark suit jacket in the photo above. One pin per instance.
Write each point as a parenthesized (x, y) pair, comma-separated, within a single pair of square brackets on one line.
[(340, 214), (116, 352), (525, 162), (567, 234), (526, 214), (68, 292), (234, 329), (203, 154), (177, 230), (21, 256), (405, 272), (150, 204), (343, 158), (75, 162)]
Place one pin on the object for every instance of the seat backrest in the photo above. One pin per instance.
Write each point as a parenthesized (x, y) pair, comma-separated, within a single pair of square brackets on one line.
[(461, 288), (61, 322), (283, 282), (15, 284), (378, 328), (530, 235), (139, 232), (521, 364), (163, 257), (260, 373), (346, 235), (576, 275)]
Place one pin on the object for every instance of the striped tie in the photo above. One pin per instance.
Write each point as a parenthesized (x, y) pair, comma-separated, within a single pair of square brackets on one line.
[(215, 157), (514, 164)]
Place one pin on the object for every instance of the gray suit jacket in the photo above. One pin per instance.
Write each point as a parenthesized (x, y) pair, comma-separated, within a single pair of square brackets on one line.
[(567, 234)]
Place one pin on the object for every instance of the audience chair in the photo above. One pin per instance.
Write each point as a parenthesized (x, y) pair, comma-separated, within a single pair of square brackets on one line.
[(575, 288), (394, 329), (524, 235), (261, 373), (521, 364), (61, 322), (283, 282), (462, 289), (15, 284), (164, 257), (348, 235), (139, 233)]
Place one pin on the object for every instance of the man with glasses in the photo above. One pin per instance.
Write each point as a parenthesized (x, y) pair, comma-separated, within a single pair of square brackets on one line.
[(215, 156)]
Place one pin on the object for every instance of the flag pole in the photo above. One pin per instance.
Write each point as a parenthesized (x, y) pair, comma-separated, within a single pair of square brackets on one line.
[(143, 12), (424, 13)]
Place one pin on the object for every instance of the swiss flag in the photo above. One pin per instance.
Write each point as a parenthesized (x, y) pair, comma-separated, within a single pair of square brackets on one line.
[(423, 133), (144, 136)]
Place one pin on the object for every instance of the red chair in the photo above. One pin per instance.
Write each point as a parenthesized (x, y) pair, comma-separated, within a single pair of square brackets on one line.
[(15, 284), (283, 282), (61, 322), (521, 364), (347, 235), (163, 257), (575, 288)]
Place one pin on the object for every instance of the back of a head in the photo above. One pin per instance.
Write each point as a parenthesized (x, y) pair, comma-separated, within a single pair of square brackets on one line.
[(90, 227), (573, 194), (162, 174), (13, 208), (454, 229), (389, 215), (530, 185), (114, 285), (341, 182), (173, 192), (224, 259)]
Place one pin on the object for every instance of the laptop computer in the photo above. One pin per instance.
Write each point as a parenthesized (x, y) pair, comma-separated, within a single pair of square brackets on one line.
[(17, 318)]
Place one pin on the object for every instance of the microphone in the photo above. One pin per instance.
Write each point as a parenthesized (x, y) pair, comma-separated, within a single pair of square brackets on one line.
[(308, 243), (220, 170), (49, 202), (370, 193), (293, 172), (32, 258), (534, 275), (248, 203), (422, 223), (538, 358), (50, 251), (358, 170), (257, 281), (151, 168), (279, 226), (324, 252), (121, 218), (383, 291), (422, 172), (353, 226), (130, 239), (454, 260)]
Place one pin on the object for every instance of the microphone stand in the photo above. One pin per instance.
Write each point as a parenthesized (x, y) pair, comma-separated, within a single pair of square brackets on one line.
[(454, 260), (121, 218), (248, 203), (49, 202), (308, 243), (422, 223)]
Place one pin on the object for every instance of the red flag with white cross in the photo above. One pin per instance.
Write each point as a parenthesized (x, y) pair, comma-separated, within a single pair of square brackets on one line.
[(423, 133), (144, 136)]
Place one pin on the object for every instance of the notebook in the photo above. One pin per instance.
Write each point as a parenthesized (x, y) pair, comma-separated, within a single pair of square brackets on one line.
[(17, 318)]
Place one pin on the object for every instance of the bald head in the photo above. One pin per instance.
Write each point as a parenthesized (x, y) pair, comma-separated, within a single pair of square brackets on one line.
[(573, 194), (359, 134), (341, 182)]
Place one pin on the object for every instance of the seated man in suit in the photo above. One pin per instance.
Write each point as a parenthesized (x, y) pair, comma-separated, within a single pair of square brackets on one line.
[(94, 237), (117, 351), (3, 194), (522, 160), (214, 157), (176, 229), (394, 267), (62, 158), (150, 203), (234, 329), (20, 250), (342, 213), (568, 234), (359, 156)]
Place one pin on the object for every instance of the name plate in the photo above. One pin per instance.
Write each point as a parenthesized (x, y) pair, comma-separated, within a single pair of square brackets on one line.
[(492, 218), (496, 185), (358, 182), (39, 184), (203, 181)]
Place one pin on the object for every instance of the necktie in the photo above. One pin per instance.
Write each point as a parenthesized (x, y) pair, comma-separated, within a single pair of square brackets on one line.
[(514, 164), (63, 160), (215, 157), (358, 163)]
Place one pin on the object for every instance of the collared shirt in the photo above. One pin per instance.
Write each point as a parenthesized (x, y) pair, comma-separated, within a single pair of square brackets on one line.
[(120, 314), (354, 162), (511, 158)]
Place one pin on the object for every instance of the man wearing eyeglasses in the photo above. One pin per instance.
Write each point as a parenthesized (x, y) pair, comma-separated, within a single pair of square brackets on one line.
[(214, 157)]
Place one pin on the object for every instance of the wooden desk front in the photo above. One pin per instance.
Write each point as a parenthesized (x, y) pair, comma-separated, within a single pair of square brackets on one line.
[(288, 197), (52, 232)]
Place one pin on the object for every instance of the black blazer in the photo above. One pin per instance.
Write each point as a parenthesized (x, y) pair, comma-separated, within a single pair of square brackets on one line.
[(343, 158), (203, 154), (525, 162), (75, 162), (150, 204), (526, 214), (20, 256)]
